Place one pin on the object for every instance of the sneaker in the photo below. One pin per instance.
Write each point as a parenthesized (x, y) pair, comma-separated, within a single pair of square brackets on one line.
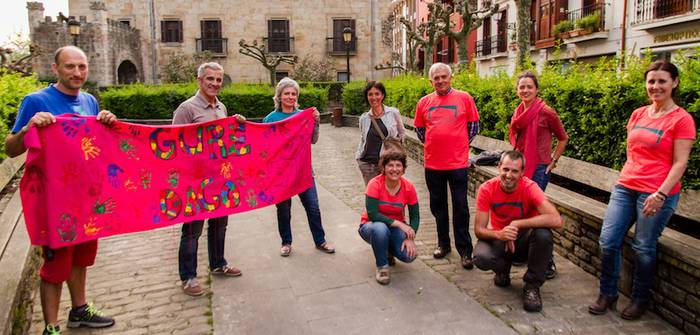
[(51, 330), (467, 262), (551, 270), (227, 271), (532, 301), (501, 279), (383, 276), (88, 316), (192, 287), (326, 247), (286, 250)]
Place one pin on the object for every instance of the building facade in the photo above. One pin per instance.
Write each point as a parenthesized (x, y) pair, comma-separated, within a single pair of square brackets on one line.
[(610, 27), (596, 28), (294, 27), (114, 50)]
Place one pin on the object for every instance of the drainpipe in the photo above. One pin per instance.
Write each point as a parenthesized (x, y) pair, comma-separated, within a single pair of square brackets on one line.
[(623, 52), (373, 39), (154, 55)]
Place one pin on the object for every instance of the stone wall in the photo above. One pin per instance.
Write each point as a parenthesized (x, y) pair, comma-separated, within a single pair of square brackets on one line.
[(676, 290), (310, 22), (107, 44)]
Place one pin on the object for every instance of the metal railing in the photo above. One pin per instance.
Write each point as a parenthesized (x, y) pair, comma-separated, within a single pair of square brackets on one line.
[(491, 44), (336, 46), (598, 9), (279, 44), (217, 46), (648, 10)]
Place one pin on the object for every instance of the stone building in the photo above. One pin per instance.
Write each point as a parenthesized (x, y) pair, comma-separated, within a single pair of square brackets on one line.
[(113, 49), (298, 27)]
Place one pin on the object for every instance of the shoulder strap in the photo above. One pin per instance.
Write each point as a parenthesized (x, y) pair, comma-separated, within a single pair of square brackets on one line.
[(377, 128)]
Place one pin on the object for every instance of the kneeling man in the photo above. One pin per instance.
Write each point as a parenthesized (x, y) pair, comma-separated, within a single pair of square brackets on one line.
[(520, 221)]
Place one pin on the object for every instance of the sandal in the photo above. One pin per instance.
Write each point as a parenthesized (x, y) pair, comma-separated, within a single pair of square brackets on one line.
[(286, 250)]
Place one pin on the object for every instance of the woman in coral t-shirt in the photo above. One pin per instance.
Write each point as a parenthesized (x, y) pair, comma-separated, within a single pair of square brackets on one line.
[(659, 139), (383, 224)]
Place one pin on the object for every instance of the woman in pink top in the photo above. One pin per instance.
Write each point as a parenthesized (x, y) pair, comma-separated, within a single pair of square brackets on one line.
[(659, 139), (531, 130)]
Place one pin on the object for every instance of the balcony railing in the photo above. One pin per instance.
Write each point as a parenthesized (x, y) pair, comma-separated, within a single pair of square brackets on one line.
[(336, 46), (649, 10), (283, 45), (217, 46), (490, 45), (596, 9)]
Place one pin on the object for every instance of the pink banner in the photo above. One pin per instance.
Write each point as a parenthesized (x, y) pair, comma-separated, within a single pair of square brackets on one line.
[(84, 180)]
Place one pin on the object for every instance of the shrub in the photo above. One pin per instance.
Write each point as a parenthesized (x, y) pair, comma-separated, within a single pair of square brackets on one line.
[(13, 88), (563, 26), (311, 68), (140, 101), (594, 101)]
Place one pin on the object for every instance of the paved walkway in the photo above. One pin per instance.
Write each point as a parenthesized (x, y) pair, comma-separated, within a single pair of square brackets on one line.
[(135, 278)]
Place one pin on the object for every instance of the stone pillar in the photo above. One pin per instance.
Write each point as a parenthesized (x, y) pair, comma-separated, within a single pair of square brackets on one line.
[(35, 14), (101, 67)]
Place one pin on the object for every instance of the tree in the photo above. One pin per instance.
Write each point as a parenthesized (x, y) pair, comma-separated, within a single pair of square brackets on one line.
[(181, 68), (427, 33), (523, 35), (472, 16), (16, 55), (312, 69), (269, 60)]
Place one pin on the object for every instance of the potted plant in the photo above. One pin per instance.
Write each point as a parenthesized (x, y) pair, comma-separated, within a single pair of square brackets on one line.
[(513, 42), (563, 28), (588, 23)]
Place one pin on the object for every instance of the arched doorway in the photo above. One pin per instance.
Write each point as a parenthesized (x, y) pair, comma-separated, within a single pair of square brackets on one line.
[(127, 73)]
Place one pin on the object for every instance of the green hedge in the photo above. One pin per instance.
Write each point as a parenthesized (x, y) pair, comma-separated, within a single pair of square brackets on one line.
[(159, 101), (13, 87), (594, 102)]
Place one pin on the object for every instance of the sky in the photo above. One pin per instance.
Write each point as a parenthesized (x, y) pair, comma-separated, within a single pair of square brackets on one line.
[(13, 17)]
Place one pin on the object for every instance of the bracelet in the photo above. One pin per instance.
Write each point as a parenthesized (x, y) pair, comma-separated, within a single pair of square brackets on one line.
[(664, 195)]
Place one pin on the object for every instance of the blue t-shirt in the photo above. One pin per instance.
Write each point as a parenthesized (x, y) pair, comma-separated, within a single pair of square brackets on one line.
[(55, 102), (278, 116)]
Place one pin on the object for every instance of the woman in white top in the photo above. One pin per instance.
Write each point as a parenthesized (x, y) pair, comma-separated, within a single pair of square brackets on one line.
[(388, 120)]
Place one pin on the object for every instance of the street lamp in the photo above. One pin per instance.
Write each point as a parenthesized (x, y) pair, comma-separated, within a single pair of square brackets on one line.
[(74, 29), (347, 38)]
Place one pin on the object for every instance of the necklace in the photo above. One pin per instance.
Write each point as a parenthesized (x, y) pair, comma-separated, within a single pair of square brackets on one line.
[(654, 114)]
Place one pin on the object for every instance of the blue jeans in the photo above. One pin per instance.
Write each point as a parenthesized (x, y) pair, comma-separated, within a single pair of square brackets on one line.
[(384, 239), (189, 243), (541, 177), (309, 199), (624, 209), (437, 182)]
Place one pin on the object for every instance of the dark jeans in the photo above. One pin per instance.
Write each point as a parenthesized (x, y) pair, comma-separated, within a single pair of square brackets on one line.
[(189, 243), (309, 199), (540, 177), (437, 182), (532, 245), (384, 238), (624, 209)]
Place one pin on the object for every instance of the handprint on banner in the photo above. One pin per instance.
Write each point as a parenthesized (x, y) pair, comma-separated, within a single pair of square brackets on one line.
[(91, 227), (145, 178), (130, 150), (66, 227), (251, 198), (113, 172), (134, 130), (89, 149), (173, 177), (104, 207), (226, 169), (71, 127), (130, 186), (69, 173), (35, 179), (264, 197)]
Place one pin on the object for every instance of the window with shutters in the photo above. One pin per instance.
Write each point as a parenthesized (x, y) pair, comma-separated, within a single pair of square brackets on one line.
[(211, 36), (338, 42), (171, 31), (278, 39)]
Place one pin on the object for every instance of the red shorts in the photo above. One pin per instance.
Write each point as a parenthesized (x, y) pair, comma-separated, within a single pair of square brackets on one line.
[(58, 263)]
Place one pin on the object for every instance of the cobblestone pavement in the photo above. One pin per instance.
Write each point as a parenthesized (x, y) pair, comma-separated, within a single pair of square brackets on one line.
[(135, 276), (135, 280), (565, 298)]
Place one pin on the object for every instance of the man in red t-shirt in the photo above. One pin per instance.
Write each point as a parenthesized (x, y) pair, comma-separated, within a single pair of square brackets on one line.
[(446, 122), (520, 221)]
